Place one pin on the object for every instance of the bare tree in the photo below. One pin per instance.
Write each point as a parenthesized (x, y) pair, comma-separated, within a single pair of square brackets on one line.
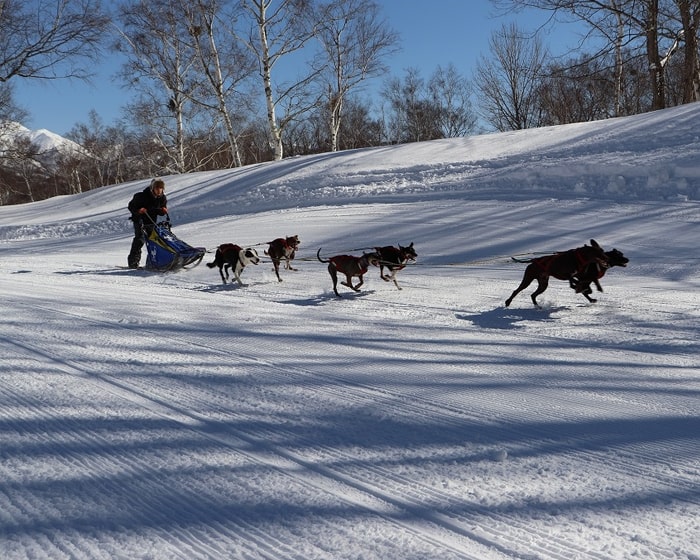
[(689, 14), (413, 115), (579, 90), (281, 28), (10, 111), (102, 159), (22, 161), (654, 29), (10, 115), (224, 71), (41, 40), (354, 40), (161, 63), (509, 79), (451, 93), (50, 39)]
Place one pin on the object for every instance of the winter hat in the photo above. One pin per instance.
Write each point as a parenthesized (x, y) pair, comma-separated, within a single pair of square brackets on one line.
[(155, 183)]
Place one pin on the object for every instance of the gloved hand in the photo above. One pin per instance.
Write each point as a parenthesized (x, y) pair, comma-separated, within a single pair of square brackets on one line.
[(163, 211), (142, 210)]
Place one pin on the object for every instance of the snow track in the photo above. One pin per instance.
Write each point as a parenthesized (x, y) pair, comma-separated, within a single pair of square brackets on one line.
[(271, 402), (169, 416)]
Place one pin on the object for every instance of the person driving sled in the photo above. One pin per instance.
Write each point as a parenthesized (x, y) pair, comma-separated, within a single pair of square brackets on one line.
[(145, 207)]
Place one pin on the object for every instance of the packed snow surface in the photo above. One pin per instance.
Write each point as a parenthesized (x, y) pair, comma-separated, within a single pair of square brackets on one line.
[(161, 416)]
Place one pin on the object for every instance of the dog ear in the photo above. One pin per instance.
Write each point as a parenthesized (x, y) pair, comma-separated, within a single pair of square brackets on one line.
[(594, 244)]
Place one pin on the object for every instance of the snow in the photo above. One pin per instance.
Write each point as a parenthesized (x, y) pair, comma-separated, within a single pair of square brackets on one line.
[(162, 416)]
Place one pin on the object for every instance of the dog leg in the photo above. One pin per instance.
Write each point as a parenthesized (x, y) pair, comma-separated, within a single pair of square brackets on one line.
[(393, 277), (221, 271), (527, 280), (276, 266), (334, 276), (348, 281), (542, 283), (237, 275), (357, 287)]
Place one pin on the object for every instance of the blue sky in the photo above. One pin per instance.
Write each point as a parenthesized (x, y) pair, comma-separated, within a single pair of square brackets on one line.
[(432, 33)]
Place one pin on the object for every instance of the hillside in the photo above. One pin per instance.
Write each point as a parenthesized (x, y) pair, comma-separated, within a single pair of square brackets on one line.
[(163, 416)]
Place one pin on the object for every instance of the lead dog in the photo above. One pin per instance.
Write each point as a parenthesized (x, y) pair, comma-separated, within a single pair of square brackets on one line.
[(594, 272), (282, 249), (350, 266), (235, 257), (394, 259), (563, 266)]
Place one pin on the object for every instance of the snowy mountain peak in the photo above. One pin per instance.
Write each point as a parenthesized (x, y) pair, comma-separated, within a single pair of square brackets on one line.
[(48, 144)]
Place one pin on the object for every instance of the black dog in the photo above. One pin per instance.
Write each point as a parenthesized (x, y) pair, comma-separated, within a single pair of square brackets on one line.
[(394, 259), (594, 272), (350, 266), (235, 257), (283, 248), (562, 266)]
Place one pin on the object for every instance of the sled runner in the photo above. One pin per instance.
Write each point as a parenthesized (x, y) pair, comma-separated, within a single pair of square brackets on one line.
[(167, 253)]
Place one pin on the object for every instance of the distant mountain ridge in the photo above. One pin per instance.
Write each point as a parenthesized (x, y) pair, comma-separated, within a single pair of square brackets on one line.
[(49, 145)]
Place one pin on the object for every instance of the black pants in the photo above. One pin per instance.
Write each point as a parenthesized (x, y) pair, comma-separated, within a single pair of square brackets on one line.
[(140, 234)]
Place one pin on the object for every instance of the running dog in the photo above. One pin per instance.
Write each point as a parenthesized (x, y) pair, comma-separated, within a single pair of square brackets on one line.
[(235, 257), (594, 272), (283, 249), (350, 266), (563, 266), (394, 259)]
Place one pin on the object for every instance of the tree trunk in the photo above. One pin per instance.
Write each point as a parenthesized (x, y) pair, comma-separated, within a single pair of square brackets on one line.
[(656, 71), (618, 57), (691, 62), (275, 133)]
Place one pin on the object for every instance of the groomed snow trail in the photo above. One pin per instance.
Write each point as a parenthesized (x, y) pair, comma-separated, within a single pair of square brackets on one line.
[(200, 420)]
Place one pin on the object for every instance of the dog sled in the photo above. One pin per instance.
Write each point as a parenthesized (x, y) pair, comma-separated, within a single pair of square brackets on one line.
[(166, 252)]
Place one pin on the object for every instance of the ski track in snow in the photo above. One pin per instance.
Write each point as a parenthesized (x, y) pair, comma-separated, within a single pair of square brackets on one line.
[(169, 416), (358, 477)]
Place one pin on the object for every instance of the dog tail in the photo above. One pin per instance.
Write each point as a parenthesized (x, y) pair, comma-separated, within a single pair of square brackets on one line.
[(215, 262), (521, 260), (318, 256)]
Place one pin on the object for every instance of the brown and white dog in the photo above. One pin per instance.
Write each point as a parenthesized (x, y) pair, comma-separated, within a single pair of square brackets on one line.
[(394, 259), (350, 266), (235, 257), (283, 249)]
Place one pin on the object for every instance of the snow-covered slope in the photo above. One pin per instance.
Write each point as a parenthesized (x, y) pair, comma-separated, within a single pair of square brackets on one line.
[(170, 416)]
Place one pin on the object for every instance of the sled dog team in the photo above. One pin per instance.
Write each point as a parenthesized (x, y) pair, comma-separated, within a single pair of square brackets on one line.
[(235, 258), (581, 267)]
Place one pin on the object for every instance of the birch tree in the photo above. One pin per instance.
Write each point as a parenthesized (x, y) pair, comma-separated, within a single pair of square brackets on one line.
[(281, 28), (354, 40), (224, 72), (160, 64)]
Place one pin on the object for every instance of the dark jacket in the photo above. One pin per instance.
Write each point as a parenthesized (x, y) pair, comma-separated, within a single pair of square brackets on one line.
[(154, 205)]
